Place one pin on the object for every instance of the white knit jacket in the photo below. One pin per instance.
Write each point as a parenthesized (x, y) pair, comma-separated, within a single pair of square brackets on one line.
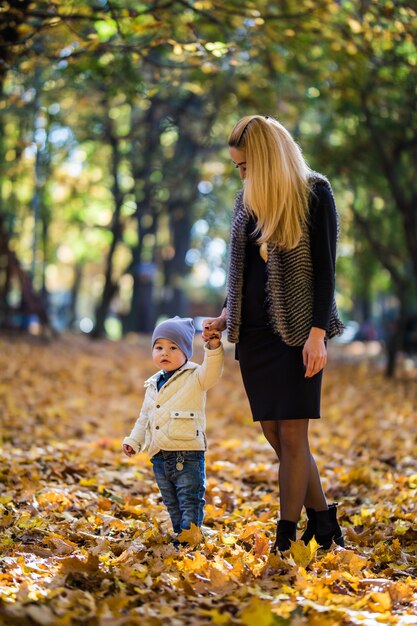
[(174, 417)]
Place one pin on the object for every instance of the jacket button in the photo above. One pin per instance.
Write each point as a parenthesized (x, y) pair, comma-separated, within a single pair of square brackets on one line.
[(156, 427), (176, 413), (192, 414), (158, 406)]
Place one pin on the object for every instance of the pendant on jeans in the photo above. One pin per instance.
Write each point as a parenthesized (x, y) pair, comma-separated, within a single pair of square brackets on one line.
[(179, 466)]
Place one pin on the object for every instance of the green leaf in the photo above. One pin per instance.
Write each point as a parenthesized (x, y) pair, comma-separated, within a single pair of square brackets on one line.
[(106, 29)]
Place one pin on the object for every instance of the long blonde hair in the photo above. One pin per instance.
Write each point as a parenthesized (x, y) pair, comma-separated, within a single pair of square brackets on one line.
[(276, 184)]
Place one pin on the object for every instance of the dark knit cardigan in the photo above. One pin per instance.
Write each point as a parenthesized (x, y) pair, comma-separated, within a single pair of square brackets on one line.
[(289, 283)]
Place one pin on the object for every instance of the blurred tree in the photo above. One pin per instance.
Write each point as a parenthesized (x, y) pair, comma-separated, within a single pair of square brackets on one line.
[(138, 101), (365, 86)]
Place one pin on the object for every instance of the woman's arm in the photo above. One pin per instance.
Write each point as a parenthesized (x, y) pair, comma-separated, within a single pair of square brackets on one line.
[(323, 236)]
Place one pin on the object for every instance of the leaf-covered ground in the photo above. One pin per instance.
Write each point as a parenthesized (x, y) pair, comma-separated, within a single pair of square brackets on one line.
[(85, 538)]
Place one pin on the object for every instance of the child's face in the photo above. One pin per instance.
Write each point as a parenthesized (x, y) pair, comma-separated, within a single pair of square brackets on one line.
[(167, 356)]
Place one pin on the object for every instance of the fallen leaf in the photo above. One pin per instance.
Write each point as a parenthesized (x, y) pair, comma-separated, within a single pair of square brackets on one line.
[(193, 536)]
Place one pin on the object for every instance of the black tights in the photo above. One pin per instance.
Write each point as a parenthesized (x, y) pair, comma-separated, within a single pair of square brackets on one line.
[(299, 479)]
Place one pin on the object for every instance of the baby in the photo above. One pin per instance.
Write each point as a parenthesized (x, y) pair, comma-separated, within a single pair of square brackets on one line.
[(172, 423)]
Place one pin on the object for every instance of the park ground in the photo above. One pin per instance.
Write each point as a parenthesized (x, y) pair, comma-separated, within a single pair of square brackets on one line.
[(85, 539)]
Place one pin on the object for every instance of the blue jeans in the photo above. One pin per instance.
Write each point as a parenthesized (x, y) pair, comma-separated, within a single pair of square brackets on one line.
[(183, 489)]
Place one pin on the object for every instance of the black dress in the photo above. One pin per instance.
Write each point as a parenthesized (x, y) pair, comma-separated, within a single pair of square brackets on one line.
[(272, 371)]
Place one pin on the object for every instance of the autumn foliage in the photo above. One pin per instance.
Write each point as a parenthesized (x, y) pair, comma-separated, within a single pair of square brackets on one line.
[(85, 538)]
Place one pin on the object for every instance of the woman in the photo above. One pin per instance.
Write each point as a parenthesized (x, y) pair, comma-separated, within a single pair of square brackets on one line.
[(280, 309)]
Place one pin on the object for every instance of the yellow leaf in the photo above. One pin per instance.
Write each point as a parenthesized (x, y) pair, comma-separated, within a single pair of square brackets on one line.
[(26, 522), (56, 500), (192, 536), (249, 530), (258, 613), (139, 571), (412, 481), (88, 482), (211, 512), (345, 559), (303, 554), (275, 561), (196, 563), (228, 540), (401, 528), (380, 601)]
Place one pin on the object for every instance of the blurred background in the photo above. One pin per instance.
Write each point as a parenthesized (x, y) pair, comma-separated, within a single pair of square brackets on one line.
[(116, 187)]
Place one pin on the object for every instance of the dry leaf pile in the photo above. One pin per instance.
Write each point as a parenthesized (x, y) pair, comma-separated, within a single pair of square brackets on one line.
[(85, 539)]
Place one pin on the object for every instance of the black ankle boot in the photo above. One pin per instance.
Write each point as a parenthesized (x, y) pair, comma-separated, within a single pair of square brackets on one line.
[(286, 532), (327, 528), (310, 530)]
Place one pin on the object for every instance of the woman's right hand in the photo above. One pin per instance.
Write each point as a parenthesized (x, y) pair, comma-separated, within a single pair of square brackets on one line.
[(212, 324)]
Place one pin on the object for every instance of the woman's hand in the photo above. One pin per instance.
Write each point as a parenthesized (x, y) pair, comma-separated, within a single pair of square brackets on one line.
[(128, 450), (212, 324), (314, 352)]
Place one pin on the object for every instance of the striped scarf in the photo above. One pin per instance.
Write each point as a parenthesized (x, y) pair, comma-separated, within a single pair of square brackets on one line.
[(289, 283)]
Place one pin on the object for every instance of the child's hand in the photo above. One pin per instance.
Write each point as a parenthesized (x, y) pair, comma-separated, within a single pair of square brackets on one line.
[(214, 339), (128, 450), (212, 324)]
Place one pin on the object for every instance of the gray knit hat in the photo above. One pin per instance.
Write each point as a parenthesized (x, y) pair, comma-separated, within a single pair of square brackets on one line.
[(179, 330)]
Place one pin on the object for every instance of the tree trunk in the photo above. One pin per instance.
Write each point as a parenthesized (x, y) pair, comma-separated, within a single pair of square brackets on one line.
[(110, 288), (75, 290), (31, 302), (176, 268), (395, 337), (141, 316), (189, 150)]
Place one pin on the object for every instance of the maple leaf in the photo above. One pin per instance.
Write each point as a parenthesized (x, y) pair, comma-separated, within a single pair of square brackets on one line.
[(248, 531), (303, 554), (193, 536), (261, 545)]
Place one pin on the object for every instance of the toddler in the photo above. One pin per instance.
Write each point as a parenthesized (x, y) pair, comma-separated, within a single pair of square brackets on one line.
[(172, 422)]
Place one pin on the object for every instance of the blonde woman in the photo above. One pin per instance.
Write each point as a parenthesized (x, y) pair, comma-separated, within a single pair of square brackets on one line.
[(280, 309)]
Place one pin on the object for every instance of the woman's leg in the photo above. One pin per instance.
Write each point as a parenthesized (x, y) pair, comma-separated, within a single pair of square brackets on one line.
[(294, 467), (300, 483), (314, 496), (271, 434)]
